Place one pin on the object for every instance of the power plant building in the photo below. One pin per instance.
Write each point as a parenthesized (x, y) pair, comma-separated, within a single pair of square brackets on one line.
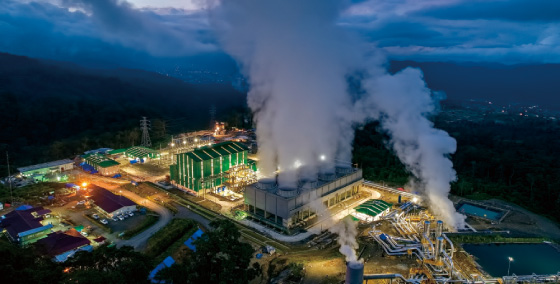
[(285, 208), (104, 165), (206, 167)]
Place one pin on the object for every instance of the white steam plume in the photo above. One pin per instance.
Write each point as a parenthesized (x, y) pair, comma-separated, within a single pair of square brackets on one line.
[(402, 102), (298, 61)]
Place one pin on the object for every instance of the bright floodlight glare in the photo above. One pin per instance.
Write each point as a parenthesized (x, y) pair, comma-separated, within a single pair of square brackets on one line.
[(415, 199), (84, 184), (185, 142), (172, 144), (323, 157), (195, 139), (510, 258)]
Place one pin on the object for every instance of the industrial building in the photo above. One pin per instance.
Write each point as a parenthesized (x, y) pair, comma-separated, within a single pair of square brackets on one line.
[(207, 167), (371, 210), (40, 171), (62, 245), (108, 203), (104, 165), (141, 153), (285, 208), (23, 225)]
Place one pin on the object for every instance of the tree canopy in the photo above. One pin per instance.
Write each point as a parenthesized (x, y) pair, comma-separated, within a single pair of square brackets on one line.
[(220, 258)]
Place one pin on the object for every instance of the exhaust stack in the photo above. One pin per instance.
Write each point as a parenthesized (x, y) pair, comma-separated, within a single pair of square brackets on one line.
[(439, 228), (439, 249), (354, 272), (427, 228)]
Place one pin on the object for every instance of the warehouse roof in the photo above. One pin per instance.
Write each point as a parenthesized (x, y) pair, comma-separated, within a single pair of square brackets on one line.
[(373, 207), (46, 165), (140, 152), (23, 222), (216, 151), (59, 242), (107, 200), (100, 160)]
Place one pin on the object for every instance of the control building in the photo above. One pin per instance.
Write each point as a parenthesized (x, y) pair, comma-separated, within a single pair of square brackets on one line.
[(206, 167), (285, 208)]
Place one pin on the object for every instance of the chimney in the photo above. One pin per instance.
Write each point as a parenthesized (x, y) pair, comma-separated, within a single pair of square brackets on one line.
[(354, 272)]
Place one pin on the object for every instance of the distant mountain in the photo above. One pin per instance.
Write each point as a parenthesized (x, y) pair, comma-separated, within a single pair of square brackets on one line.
[(502, 84), (42, 102)]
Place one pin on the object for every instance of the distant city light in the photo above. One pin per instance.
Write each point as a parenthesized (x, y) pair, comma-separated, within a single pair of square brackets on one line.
[(510, 258), (415, 199), (297, 164), (323, 157), (185, 142), (172, 144), (84, 184)]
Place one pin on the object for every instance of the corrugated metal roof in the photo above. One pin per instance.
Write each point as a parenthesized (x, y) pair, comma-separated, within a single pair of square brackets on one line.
[(373, 207), (140, 152), (101, 161), (46, 165), (216, 151)]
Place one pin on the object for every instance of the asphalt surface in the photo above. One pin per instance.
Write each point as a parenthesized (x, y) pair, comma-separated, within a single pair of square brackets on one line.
[(138, 242)]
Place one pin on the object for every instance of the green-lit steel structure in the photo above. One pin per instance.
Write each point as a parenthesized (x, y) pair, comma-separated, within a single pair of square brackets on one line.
[(205, 167)]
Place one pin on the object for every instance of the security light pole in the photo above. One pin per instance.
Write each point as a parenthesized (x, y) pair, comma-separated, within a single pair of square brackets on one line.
[(509, 263)]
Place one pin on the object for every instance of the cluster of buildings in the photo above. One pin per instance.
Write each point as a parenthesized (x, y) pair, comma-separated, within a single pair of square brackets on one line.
[(27, 225), (30, 225)]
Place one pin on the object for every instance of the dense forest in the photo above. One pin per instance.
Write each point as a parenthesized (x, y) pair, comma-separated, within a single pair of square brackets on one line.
[(53, 110), (510, 157)]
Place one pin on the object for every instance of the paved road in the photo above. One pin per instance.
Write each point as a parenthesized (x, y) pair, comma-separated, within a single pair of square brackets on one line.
[(139, 241)]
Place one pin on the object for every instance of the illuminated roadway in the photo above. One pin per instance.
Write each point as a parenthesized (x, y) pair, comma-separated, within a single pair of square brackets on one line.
[(139, 241)]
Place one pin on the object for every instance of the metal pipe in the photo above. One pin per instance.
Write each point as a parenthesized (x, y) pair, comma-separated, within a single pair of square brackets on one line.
[(439, 249), (439, 228), (427, 228), (354, 272)]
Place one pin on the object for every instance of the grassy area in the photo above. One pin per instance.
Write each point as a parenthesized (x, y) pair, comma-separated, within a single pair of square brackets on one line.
[(168, 235), (483, 239), (176, 245), (148, 222)]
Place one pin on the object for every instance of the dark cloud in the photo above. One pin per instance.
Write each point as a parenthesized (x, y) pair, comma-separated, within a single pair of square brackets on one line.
[(512, 10)]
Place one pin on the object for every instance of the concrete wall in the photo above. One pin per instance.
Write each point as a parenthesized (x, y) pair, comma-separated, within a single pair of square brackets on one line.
[(298, 207)]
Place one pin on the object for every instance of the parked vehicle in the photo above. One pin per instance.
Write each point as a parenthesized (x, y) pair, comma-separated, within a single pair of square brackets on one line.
[(115, 218), (104, 221), (120, 217), (130, 214), (84, 233), (95, 216)]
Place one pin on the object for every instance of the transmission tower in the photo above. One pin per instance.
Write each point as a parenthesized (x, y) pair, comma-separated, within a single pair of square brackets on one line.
[(145, 125), (212, 117)]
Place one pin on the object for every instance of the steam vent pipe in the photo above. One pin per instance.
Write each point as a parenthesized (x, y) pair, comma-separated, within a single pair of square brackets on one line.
[(439, 228), (439, 248), (427, 229), (354, 272)]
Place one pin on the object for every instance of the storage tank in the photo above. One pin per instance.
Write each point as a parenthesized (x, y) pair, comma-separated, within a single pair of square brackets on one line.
[(354, 272)]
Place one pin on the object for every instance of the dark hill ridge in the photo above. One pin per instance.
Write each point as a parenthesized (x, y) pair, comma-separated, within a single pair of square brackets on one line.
[(503, 84), (46, 101)]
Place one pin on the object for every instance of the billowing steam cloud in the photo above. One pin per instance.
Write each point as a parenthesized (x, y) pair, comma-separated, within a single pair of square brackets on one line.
[(299, 62)]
